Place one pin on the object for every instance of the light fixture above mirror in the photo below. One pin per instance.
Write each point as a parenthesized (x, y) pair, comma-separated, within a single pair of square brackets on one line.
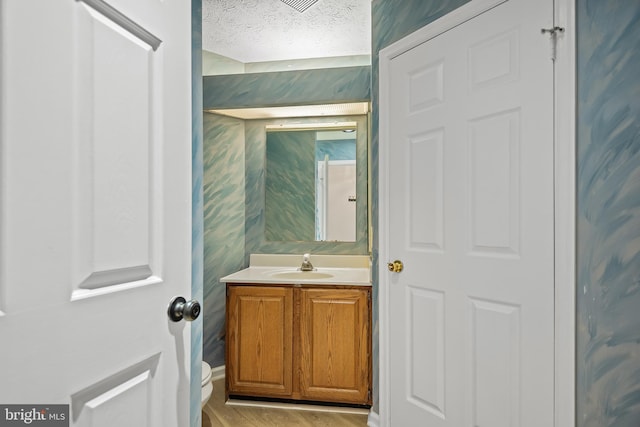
[(293, 111)]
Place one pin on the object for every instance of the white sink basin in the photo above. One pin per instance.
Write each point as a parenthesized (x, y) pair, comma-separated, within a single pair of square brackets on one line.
[(301, 275)]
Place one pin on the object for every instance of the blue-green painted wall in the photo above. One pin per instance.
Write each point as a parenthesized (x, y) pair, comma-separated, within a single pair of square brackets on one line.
[(290, 186), (336, 149), (608, 234), (322, 86), (224, 207)]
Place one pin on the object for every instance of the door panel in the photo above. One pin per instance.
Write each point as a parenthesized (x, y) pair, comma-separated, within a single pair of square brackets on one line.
[(495, 363), (95, 165), (116, 207), (494, 178), (125, 398), (334, 358), (260, 340), (425, 183), (426, 386), (471, 217)]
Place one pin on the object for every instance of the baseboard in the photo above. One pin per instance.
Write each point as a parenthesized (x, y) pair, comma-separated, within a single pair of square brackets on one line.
[(373, 420), (217, 373), (296, 406)]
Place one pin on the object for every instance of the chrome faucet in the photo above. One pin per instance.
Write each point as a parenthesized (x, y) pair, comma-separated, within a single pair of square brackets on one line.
[(306, 264)]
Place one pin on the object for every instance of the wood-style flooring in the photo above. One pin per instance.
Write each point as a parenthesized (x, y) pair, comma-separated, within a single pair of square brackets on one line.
[(217, 414)]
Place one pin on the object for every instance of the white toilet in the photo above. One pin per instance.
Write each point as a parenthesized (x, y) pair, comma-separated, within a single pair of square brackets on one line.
[(207, 385)]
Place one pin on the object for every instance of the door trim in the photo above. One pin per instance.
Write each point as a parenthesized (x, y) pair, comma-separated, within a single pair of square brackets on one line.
[(565, 213), (564, 199)]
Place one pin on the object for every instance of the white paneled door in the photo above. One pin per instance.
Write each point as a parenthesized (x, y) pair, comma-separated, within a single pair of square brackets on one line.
[(470, 215), (95, 232)]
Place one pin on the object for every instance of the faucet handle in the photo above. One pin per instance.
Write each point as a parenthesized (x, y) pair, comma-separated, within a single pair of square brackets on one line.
[(306, 264)]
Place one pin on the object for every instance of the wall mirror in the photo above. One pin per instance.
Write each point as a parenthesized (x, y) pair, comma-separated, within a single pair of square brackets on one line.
[(315, 180), (310, 182), (276, 221)]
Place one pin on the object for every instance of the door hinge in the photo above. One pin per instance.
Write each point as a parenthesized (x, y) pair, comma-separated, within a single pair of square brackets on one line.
[(553, 32)]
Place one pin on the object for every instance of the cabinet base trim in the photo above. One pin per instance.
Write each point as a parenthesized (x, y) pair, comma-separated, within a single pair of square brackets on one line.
[(296, 406)]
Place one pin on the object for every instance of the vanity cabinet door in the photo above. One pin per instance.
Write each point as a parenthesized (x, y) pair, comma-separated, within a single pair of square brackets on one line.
[(259, 340), (334, 345)]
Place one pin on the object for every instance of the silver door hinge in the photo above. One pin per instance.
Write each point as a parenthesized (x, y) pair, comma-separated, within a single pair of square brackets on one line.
[(553, 32)]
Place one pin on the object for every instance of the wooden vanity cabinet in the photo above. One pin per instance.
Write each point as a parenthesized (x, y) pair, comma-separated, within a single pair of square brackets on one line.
[(310, 343)]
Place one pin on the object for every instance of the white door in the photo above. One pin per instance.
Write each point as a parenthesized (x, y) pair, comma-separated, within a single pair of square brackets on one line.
[(95, 208), (470, 214)]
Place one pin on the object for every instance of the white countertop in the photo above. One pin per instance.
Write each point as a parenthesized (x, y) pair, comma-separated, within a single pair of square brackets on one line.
[(353, 270)]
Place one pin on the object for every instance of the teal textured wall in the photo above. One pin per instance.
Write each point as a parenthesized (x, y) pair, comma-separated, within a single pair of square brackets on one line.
[(290, 186), (608, 246), (337, 149), (224, 208), (323, 86)]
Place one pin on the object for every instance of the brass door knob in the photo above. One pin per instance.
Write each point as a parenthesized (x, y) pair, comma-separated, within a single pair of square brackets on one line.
[(395, 266)]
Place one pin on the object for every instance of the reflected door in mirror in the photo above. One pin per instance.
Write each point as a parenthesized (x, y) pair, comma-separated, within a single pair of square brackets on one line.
[(336, 201)]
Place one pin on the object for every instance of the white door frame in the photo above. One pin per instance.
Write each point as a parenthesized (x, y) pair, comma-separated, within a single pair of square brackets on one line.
[(564, 200)]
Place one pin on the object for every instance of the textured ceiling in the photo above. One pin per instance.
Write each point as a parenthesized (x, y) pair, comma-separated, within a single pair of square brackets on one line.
[(270, 30)]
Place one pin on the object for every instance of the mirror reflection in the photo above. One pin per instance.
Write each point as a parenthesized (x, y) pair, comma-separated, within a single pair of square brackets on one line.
[(310, 182)]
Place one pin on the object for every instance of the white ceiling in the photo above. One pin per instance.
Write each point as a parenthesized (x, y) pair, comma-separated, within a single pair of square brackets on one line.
[(269, 30)]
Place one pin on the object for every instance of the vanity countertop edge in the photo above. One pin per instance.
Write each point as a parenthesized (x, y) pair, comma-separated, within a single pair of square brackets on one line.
[(352, 270)]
